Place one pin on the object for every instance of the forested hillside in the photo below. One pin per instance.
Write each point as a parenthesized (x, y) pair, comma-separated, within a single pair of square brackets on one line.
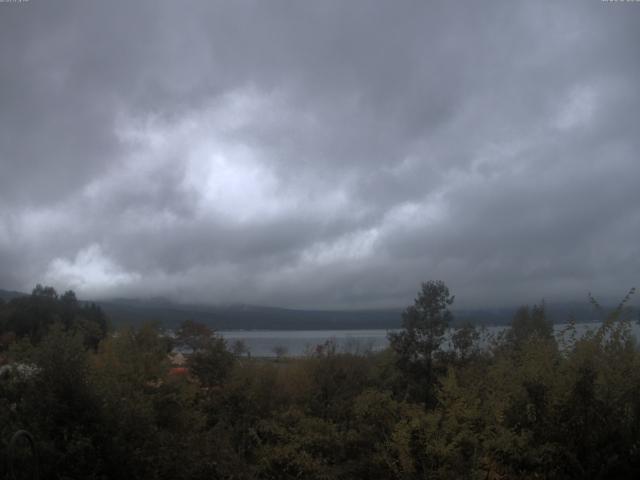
[(103, 403), (135, 312)]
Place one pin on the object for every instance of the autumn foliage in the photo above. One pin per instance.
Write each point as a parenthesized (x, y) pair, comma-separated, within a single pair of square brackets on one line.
[(439, 403)]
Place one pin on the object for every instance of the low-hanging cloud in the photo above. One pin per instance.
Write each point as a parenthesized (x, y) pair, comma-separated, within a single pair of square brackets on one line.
[(320, 154)]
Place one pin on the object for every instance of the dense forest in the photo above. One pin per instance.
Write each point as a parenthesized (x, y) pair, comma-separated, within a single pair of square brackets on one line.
[(102, 403)]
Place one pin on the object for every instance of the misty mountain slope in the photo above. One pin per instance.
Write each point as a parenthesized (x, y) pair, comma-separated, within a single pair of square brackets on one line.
[(9, 294), (131, 311), (270, 318)]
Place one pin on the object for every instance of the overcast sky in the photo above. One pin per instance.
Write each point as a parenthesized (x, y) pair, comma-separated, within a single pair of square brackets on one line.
[(320, 153)]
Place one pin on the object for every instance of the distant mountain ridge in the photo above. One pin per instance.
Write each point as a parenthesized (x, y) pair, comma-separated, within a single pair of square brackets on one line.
[(249, 317), (135, 311), (253, 317), (10, 294)]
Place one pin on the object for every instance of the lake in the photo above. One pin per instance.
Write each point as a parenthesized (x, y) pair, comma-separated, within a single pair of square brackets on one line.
[(262, 343)]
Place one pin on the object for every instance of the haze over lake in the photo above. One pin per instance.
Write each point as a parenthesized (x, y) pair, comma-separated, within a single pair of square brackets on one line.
[(263, 343)]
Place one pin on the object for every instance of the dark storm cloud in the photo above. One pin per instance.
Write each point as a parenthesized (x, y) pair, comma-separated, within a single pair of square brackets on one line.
[(320, 153)]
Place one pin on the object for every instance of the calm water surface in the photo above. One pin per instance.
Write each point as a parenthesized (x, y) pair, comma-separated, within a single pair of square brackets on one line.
[(263, 343)]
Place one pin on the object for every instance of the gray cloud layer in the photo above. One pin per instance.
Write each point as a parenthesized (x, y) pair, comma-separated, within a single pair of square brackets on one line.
[(324, 154)]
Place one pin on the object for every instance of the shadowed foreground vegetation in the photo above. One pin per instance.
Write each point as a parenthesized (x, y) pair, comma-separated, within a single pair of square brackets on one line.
[(104, 404)]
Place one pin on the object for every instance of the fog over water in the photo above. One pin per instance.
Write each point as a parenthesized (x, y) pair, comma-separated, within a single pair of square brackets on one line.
[(263, 343)]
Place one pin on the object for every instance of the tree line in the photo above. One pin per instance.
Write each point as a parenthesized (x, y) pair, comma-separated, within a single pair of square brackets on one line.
[(103, 403)]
